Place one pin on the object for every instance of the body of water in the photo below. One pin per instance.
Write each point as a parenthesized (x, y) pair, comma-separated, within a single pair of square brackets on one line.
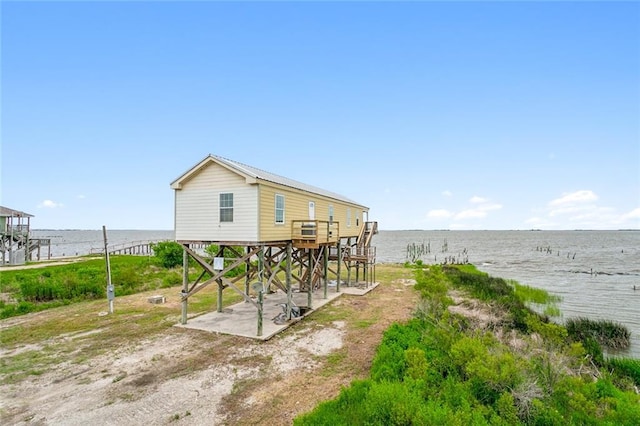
[(594, 272), (81, 242)]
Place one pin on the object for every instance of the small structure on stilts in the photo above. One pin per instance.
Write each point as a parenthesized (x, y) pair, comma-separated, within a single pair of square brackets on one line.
[(271, 234), (16, 244)]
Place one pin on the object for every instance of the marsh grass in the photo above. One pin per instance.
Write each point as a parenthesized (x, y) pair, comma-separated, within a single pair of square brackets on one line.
[(430, 370), (607, 333)]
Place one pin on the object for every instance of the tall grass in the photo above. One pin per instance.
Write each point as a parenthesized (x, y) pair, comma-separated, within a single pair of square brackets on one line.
[(432, 370), (43, 288), (607, 333)]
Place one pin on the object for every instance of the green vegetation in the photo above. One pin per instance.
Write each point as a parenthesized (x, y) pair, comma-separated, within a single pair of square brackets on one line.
[(607, 333), (445, 368), (37, 289), (168, 253)]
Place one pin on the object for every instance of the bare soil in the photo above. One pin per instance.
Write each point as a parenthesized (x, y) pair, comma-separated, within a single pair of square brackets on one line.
[(132, 371)]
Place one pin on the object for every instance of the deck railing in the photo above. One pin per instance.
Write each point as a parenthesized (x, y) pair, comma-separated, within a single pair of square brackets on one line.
[(16, 230), (315, 231)]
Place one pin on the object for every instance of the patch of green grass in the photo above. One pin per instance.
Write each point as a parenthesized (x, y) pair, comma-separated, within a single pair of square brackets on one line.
[(552, 311), (334, 362), (607, 333), (364, 323), (32, 362), (44, 288), (328, 314), (532, 294)]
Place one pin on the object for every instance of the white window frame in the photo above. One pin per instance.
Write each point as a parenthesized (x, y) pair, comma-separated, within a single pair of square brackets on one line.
[(276, 209), (348, 217), (330, 214), (225, 208)]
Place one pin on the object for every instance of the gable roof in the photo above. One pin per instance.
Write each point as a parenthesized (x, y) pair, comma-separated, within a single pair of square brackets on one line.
[(7, 212), (253, 174)]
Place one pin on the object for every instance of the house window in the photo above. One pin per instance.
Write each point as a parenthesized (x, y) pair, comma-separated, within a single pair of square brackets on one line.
[(330, 214), (279, 209), (348, 217), (226, 207)]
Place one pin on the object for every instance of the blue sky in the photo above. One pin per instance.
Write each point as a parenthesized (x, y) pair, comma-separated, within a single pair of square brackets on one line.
[(459, 115)]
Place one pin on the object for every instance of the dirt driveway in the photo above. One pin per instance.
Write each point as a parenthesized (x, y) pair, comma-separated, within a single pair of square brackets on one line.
[(135, 368)]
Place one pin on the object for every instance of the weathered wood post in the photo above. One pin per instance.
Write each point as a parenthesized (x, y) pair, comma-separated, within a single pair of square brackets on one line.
[(326, 270), (338, 267), (260, 307), (288, 281), (261, 267), (310, 280), (365, 267), (219, 280), (185, 285), (247, 278)]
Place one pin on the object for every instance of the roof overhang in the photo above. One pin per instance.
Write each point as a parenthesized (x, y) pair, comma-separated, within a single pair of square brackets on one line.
[(203, 164)]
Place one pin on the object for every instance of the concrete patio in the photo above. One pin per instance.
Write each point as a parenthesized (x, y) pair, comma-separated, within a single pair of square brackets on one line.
[(241, 319)]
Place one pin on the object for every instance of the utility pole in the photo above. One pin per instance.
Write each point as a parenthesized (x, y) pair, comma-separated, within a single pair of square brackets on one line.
[(110, 290)]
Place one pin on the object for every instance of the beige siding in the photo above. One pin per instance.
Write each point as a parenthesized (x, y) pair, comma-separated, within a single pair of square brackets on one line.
[(197, 207), (297, 208)]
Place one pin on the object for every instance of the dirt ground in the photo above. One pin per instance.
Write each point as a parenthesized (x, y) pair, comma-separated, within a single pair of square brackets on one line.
[(190, 377)]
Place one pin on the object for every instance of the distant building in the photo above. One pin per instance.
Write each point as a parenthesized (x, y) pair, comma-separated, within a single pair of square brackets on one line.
[(16, 245)]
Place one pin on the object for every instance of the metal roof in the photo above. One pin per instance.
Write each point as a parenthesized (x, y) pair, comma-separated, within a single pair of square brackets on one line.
[(256, 173), (280, 180), (7, 212)]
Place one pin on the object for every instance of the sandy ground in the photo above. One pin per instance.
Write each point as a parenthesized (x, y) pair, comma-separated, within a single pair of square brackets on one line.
[(191, 377)]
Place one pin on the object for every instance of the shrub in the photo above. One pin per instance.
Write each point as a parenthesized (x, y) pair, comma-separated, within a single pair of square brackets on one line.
[(629, 367), (168, 253)]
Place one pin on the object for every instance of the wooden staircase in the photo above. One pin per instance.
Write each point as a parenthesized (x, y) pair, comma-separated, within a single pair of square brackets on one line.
[(366, 234)]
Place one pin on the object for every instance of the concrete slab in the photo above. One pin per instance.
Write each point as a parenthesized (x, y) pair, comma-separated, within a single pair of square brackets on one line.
[(241, 319)]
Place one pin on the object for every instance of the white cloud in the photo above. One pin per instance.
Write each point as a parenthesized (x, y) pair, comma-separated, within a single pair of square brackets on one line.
[(573, 198), (480, 209), (471, 213), (49, 204), (580, 209), (633, 214), (540, 222), (81, 197), (447, 193), (477, 200), (439, 213)]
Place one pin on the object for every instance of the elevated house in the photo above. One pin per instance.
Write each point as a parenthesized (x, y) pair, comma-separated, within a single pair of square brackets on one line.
[(16, 244), (273, 225)]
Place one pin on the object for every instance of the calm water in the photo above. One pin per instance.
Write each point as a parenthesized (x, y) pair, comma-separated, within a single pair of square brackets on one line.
[(81, 242), (566, 271), (607, 293)]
